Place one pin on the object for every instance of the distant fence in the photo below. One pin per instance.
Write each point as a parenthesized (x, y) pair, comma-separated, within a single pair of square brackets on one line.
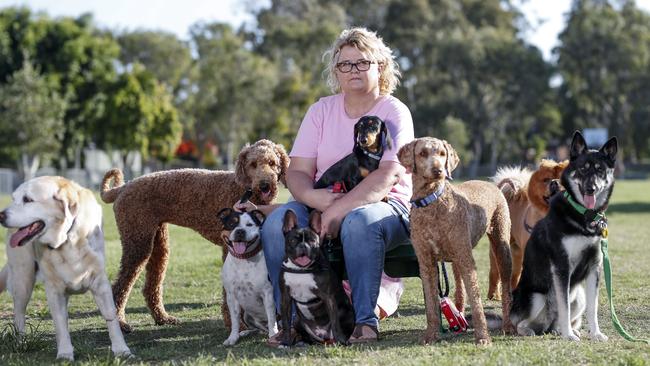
[(91, 178)]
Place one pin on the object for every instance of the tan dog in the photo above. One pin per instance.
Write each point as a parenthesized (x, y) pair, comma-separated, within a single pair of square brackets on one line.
[(528, 194), (190, 198), (57, 224), (447, 221)]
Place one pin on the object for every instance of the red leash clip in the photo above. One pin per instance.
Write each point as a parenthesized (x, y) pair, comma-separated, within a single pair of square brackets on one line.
[(455, 318), (339, 187)]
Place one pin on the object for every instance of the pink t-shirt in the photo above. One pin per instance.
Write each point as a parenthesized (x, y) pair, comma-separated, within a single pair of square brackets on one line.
[(327, 134)]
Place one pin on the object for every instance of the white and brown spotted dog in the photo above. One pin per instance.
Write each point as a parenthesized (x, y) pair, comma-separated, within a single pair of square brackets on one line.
[(56, 235), (244, 275)]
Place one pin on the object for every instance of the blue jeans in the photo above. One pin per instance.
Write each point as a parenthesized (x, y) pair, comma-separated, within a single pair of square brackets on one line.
[(367, 232)]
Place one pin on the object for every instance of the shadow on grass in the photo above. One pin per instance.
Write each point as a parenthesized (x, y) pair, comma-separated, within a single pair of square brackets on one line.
[(171, 308), (629, 207)]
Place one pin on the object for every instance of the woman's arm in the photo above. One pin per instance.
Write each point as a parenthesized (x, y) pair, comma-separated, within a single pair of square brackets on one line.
[(371, 189), (301, 184)]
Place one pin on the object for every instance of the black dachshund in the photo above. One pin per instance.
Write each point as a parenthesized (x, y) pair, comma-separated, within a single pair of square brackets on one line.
[(370, 137)]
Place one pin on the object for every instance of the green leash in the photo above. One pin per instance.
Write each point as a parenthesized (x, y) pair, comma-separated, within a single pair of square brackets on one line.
[(608, 284), (599, 219)]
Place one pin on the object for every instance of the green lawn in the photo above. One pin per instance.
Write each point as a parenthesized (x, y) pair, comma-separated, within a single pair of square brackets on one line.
[(192, 293)]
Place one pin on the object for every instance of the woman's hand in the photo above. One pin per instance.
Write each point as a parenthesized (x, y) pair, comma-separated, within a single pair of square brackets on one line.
[(322, 199), (247, 206), (331, 220)]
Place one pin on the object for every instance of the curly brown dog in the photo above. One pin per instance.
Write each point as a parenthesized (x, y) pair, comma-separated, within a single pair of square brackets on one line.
[(187, 197), (528, 195), (447, 221)]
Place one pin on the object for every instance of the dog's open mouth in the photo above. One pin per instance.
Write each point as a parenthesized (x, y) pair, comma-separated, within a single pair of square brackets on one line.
[(26, 233), (265, 191), (302, 261), (589, 200), (240, 247)]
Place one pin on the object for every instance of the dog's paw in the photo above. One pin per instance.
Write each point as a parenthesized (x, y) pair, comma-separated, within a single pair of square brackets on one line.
[(124, 353), (483, 341), (231, 341), (576, 332), (430, 337), (168, 320), (508, 328), (571, 337), (598, 336), (65, 356), (125, 327)]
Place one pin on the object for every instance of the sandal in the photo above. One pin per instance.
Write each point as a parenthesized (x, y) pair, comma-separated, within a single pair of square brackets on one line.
[(276, 340), (364, 333)]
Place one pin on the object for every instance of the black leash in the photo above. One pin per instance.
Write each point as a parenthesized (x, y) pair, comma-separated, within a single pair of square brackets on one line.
[(446, 278)]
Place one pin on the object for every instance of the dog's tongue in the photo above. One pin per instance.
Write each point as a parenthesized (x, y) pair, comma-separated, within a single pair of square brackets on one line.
[(589, 200), (266, 195), (239, 247), (21, 234), (302, 261)]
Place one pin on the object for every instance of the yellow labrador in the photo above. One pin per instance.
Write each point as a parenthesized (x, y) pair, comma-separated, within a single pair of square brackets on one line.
[(55, 234)]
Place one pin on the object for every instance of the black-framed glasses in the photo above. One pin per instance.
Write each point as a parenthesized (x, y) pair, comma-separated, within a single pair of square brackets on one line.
[(361, 65)]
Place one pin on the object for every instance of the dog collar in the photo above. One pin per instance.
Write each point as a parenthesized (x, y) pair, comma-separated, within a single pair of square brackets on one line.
[(371, 155), (310, 269), (528, 228), (245, 255), (426, 201), (593, 217)]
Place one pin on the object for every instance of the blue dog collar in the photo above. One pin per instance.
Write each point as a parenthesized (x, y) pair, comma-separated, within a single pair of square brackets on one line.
[(426, 201)]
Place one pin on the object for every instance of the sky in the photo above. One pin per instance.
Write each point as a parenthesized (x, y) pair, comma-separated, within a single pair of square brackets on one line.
[(547, 17)]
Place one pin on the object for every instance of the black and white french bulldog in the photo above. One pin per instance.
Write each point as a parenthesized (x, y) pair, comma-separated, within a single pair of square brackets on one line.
[(244, 275), (324, 313)]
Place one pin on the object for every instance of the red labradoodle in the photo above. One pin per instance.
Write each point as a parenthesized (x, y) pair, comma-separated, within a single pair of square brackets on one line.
[(447, 221), (188, 197)]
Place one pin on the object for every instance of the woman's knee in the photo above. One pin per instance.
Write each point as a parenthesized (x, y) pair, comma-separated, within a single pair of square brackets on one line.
[(359, 221)]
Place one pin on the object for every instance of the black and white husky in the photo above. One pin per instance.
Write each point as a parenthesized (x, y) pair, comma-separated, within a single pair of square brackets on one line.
[(563, 259)]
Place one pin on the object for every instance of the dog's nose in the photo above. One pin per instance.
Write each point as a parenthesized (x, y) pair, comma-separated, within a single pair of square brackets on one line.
[(240, 235), (3, 217), (265, 186), (554, 187), (363, 140)]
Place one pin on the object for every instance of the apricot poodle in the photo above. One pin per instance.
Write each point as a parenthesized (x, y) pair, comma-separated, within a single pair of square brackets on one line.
[(447, 221), (528, 195), (187, 197)]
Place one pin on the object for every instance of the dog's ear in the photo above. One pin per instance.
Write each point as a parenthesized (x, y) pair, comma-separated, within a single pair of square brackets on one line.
[(284, 162), (225, 237), (67, 198), (610, 149), (578, 146), (405, 156), (452, 158), (356, 131), (559, 168), (290, 221), (224, 213), (387, 140), (315, 221), (241, 177), (257, 216)]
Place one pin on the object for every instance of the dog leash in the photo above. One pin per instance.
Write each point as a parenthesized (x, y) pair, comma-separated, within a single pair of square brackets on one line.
[(608, 284), (599, 219)]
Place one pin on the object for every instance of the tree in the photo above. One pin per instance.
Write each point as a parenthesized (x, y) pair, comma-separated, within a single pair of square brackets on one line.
[(139, 116), (31, 119), (233, 91), (463, 61), (604, 64), (162, 53), (75, 59)]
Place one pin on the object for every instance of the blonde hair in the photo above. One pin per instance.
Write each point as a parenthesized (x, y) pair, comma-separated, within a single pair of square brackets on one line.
[(372, 46)]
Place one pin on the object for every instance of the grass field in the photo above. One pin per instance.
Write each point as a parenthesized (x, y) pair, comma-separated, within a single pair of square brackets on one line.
[(192, 293)]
